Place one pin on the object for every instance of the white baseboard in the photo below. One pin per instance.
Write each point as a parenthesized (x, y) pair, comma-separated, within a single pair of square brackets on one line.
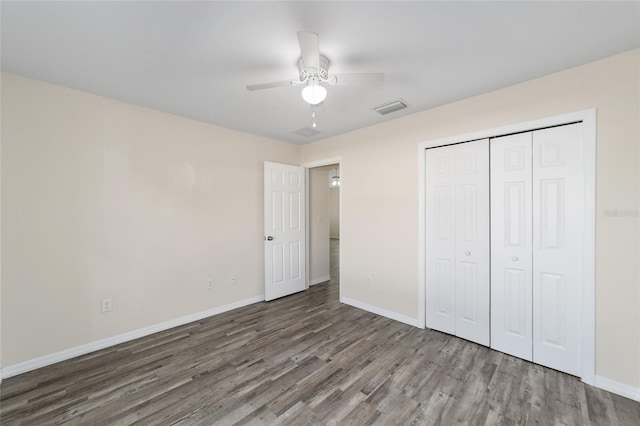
[(617, 388), (43, 361), (319, 280), (380, 311)]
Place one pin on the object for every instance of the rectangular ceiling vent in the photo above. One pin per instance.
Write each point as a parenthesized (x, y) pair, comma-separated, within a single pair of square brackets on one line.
[(389, 107), (306, 132)]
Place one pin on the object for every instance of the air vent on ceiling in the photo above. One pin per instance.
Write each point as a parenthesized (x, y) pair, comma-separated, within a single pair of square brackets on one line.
[(306, 132), (390, 107)]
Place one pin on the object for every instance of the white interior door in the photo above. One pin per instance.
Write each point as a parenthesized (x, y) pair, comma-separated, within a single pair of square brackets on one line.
[(440, 238), (284, 227), (511, 245), (558, 200), (472, 241), (457, 218)]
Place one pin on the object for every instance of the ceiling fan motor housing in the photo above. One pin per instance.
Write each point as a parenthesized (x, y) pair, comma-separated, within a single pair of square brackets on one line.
[(306, 72)]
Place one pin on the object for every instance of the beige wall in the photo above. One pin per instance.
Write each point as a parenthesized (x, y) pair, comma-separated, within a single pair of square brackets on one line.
[(0, 235), (105, 199), (334, 213), (319, 223), (380, 216)]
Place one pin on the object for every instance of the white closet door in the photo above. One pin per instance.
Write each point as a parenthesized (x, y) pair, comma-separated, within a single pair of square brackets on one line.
[(440, 238), (511, 245), (558, 200), (472, 241), (457, 273)]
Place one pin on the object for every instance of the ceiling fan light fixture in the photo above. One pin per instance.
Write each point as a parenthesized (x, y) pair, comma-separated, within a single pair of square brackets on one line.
[(314, 93)]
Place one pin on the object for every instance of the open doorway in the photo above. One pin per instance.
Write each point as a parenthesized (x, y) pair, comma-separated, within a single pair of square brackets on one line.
[(334, 223), (323, 230)]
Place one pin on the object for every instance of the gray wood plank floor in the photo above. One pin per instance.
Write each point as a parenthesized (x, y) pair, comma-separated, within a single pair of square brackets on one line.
[(304, 359)]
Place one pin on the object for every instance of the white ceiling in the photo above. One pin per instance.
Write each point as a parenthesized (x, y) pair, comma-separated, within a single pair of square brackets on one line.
[(195, 58)]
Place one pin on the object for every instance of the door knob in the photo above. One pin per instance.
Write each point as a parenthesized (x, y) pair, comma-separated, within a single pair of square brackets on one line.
[(514, 258), (468, 253), (269, 238)]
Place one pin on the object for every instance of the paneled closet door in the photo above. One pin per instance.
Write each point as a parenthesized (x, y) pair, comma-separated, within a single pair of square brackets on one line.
[(511, 245), (472, 241), (558, 200), (440, 238), (457, 264)]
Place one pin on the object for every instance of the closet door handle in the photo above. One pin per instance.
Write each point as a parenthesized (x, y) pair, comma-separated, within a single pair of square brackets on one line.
[(468, 253), (514, 258)]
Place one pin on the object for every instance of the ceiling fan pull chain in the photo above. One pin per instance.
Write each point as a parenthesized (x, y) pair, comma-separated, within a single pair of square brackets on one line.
[(313, 115)]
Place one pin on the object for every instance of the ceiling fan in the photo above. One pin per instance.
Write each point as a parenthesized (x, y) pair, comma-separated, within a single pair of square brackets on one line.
[(314, 71)]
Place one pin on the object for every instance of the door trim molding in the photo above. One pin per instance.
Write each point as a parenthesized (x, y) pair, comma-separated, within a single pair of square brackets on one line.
[(588, 119), (311, 165)]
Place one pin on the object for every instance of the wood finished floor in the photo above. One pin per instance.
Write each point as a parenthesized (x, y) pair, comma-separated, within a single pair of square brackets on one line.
[(304, 359)]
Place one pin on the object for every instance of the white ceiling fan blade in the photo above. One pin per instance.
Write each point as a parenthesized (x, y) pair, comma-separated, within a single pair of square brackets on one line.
[(309, 49), (271, 85), (369, 79)]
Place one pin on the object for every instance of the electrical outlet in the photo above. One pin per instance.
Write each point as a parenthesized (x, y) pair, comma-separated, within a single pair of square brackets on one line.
[(232, 279), (369, 282), (106, 305), (210, 283)]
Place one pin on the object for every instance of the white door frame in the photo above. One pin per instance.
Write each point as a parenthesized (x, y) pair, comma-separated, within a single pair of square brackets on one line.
[(312, 165), (588, 119)]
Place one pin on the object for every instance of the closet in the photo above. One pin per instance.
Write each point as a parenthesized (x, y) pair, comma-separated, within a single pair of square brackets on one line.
[(457, 224), (504, 221)]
